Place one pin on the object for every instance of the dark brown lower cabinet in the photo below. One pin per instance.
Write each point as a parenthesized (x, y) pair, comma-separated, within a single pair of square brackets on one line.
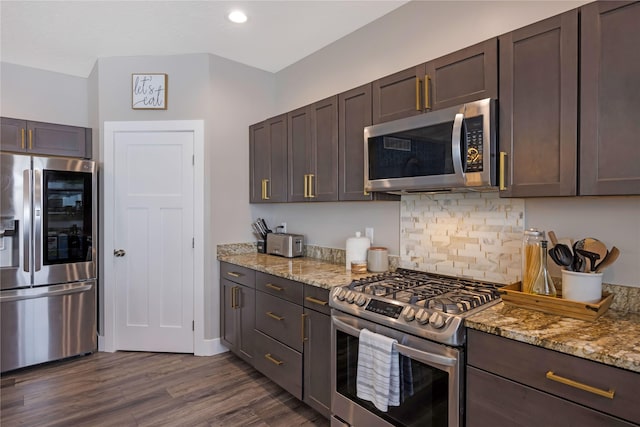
[(510, 383), (317, 351), (238, 310)]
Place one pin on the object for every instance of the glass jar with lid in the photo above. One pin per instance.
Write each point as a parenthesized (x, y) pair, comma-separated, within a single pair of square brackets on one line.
[(531, 257)]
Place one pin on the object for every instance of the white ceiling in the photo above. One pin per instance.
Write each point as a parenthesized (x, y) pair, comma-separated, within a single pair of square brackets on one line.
[(68, 36)]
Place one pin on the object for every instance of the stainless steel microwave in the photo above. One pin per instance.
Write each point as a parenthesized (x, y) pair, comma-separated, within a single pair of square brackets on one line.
[(450, 149)]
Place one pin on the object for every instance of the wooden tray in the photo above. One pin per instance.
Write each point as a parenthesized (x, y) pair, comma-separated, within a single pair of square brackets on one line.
[(555, 305)]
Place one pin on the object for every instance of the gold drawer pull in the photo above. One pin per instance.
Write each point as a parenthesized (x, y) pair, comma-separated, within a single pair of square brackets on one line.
[(274, 287), (316, 301), (270, 358), (418, 106), (274, 316), (604, 393), (30, 139), (232, 274), (22, 138), (427, 94)]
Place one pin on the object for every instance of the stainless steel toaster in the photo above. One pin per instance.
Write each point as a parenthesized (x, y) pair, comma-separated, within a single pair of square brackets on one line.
[(285, 244)]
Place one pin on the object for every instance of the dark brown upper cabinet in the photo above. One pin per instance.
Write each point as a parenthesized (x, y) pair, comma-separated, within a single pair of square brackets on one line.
[(610, 99), (466, 75), (268, 160), (47, 139), (538, 109), (312, 133), (354, 109)]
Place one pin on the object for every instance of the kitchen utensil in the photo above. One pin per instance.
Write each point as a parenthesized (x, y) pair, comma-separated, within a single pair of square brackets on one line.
[(560, 254), (613, 255), (595, 246), (264, 225), (592, 257), (578, 263)]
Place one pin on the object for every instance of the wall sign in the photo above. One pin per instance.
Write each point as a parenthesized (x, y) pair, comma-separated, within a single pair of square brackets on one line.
[(149, 91)]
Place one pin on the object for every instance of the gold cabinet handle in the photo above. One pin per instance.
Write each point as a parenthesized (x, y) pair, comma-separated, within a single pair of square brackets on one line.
[(302, 317), (234, 297), (274, 287), (22, 138), (270, 358), (311, 195), (233, 274), (427, 92), (418, 106), (306, 186), (274, 316), (30, 139), (316, 301), (604, 393), (265, 189), (503, 163)]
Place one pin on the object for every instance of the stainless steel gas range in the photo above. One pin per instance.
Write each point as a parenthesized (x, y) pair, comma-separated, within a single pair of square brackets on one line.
[(424, 313)]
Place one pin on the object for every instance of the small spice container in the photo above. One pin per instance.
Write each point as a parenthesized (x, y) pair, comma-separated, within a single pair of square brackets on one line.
[(358, 267), (377, 259)]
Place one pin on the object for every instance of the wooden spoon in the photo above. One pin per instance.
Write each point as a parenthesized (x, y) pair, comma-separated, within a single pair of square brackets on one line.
[(595, 246), (611, 257)]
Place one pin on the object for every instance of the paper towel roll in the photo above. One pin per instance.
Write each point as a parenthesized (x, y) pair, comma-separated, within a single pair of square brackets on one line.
[(356, 249)]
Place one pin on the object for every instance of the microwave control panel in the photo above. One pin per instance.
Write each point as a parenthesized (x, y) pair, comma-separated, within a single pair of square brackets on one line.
[(474, 143)]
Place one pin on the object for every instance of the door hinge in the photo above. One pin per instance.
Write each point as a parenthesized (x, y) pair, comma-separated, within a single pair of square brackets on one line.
[(193, 159), (193, 325), (193, 243)]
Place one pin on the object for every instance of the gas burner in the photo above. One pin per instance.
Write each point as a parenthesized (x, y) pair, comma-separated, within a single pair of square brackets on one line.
[(424, 304)]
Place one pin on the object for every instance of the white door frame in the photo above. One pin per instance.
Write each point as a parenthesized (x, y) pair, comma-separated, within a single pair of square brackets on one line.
[(107, 341)]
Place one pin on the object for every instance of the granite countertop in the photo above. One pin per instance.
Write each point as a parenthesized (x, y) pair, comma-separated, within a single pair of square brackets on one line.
[(311, 271), (613, 339)]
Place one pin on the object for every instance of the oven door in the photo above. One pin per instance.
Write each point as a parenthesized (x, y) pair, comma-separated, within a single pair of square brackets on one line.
[(431, 378)]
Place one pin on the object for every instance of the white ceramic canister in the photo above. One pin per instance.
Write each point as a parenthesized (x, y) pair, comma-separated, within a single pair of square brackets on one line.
[(377, 259), (356, 249)]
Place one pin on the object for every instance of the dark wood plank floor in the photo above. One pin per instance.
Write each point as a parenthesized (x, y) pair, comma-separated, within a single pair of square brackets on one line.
[(148, 389)]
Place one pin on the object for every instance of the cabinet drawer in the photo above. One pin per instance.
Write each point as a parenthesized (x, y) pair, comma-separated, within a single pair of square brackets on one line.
[(280, 363), (280, 287), (530, 365), (317, 299), (497, 402), (235, 273), (280, 319)]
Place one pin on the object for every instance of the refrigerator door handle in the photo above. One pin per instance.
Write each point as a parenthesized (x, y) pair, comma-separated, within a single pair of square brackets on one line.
[(37, 220), (44, 292), (26, 228)]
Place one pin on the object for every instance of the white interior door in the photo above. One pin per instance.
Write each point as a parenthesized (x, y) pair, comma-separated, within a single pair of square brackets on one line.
[(153, 240)]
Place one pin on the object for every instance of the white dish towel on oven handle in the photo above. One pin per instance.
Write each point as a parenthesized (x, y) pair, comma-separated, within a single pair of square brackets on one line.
[(378, 377)]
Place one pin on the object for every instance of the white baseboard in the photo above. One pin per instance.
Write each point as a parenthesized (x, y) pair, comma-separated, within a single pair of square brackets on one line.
[(210, 347)]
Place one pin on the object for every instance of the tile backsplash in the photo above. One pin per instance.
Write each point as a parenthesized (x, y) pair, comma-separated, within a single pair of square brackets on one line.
[(477, 235)]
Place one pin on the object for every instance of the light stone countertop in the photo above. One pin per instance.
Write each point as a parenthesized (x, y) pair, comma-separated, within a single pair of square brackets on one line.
[(311, 271), (613, 339)]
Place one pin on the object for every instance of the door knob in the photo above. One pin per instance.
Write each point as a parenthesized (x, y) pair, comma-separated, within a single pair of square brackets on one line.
[(119, 252)]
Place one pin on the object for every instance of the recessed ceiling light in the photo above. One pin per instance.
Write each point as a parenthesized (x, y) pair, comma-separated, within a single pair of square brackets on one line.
[(237, 16)]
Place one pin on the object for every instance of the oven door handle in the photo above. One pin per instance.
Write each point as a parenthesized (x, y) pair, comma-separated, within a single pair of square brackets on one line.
[(412, 353)]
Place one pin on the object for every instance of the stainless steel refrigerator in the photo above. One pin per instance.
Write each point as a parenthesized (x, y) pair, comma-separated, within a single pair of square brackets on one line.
[(48, 253)]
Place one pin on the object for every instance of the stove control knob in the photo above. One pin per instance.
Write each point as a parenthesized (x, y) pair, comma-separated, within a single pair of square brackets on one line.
[(409, 314), (422, 316), (350, 297), (361, 300), (437, 320), (341, 294)]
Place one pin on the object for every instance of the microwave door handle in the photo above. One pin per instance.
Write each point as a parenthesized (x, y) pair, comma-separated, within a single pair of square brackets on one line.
[(26, 224), (456, 144), (37, 219)]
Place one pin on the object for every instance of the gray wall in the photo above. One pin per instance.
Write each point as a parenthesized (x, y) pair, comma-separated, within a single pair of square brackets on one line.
[(38, 95)]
